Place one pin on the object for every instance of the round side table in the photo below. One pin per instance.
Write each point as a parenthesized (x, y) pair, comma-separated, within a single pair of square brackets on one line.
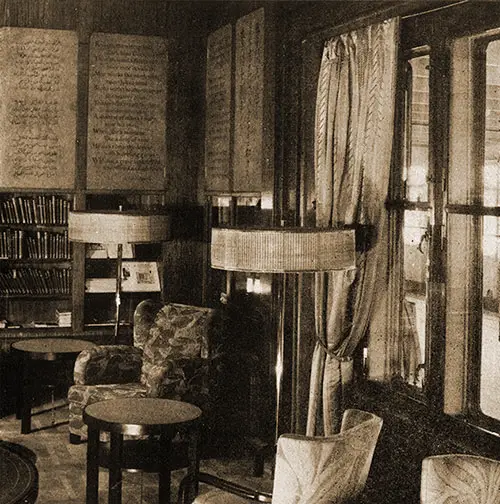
[(40, 349), (138, 417)]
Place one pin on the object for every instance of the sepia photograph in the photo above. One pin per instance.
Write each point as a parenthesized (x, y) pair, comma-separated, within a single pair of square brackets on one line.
[(250, 251)]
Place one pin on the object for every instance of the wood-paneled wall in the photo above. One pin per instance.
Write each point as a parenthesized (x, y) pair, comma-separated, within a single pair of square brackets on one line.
[(114, 16), (182, 25)]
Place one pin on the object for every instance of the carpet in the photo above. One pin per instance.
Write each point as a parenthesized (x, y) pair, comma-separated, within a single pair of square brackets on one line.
[(62, 466)]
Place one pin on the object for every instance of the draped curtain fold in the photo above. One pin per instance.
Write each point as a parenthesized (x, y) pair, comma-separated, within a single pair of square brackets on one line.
[(353, 147)]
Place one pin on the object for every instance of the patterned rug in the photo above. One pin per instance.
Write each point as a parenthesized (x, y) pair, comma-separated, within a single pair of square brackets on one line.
[(62, 466)]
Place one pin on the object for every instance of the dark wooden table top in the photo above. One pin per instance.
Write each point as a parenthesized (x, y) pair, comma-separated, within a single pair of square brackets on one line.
[(51, 348), (18, 478), (138, 416)]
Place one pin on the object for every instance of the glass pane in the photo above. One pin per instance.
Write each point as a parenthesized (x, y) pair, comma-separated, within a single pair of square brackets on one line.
[(462, 183), (415, 244), (221, 211), (492, 123), (490, 341), (417, 148)]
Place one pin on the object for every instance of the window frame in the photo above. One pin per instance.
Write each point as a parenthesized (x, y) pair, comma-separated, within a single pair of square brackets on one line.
[(476, 210), (420, 35), (398, 203)]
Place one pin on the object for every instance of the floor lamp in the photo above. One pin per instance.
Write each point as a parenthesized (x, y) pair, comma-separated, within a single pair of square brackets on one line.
[(117, 228), (282, 250)]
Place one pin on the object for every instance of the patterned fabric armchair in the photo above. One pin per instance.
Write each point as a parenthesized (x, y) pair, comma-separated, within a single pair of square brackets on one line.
[(172, 357)]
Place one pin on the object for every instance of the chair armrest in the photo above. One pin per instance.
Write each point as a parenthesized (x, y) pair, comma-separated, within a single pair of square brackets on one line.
[(108, 364), (226, 486)]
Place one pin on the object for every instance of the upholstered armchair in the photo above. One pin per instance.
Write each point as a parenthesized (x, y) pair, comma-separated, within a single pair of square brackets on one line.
[(172, 357), (460, 479), (308, 469)]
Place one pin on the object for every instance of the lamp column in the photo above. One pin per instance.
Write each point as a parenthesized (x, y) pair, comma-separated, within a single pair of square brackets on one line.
[(119, 257)]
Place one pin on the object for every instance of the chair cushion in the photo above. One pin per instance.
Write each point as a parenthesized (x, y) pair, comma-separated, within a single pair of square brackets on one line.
[(167, 381), (108, 364), (80, 396), (179, 332), (89, 394)]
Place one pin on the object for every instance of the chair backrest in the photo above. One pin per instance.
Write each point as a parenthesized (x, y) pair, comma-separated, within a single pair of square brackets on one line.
[(321, 470), (460, 479), (172, 330)]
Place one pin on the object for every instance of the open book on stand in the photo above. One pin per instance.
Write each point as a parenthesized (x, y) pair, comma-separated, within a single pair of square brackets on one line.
[(137, 276)]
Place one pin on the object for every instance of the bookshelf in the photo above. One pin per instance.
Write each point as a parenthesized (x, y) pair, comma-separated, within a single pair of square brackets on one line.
[(35, 259), (37, 264)]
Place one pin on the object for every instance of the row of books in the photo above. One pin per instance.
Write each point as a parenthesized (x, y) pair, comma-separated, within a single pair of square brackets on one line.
[(11, 244), (18, 244), (35, 281), (41, 209)]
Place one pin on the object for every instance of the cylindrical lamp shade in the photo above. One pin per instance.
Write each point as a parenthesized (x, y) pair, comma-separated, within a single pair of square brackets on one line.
[(282, 250), (117, 227)]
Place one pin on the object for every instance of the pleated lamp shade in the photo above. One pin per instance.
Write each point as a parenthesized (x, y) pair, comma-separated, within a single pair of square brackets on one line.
[(117, 227), (282, 250)]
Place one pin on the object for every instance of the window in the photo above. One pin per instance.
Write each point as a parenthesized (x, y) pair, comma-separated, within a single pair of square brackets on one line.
[(446, 204)]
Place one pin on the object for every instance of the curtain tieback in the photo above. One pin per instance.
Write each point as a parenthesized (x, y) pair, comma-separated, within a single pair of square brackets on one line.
[(344, 358)]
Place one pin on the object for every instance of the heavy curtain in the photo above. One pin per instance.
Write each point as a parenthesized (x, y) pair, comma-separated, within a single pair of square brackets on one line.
[(353, 146)]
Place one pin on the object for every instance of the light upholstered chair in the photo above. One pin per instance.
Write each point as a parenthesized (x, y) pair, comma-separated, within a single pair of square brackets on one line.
[(308, 470), (171, 358), (460, 479)]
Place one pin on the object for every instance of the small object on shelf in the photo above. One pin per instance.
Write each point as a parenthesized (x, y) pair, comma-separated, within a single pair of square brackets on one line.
[(63, 318), (5, 324), (140, 276)]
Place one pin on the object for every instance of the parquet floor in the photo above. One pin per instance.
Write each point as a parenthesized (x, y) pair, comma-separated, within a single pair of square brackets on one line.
[(61, 465)]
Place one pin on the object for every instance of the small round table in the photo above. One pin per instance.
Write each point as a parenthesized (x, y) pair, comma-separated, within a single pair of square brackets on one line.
[(40, 349), (18, 478), (139, 417)]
